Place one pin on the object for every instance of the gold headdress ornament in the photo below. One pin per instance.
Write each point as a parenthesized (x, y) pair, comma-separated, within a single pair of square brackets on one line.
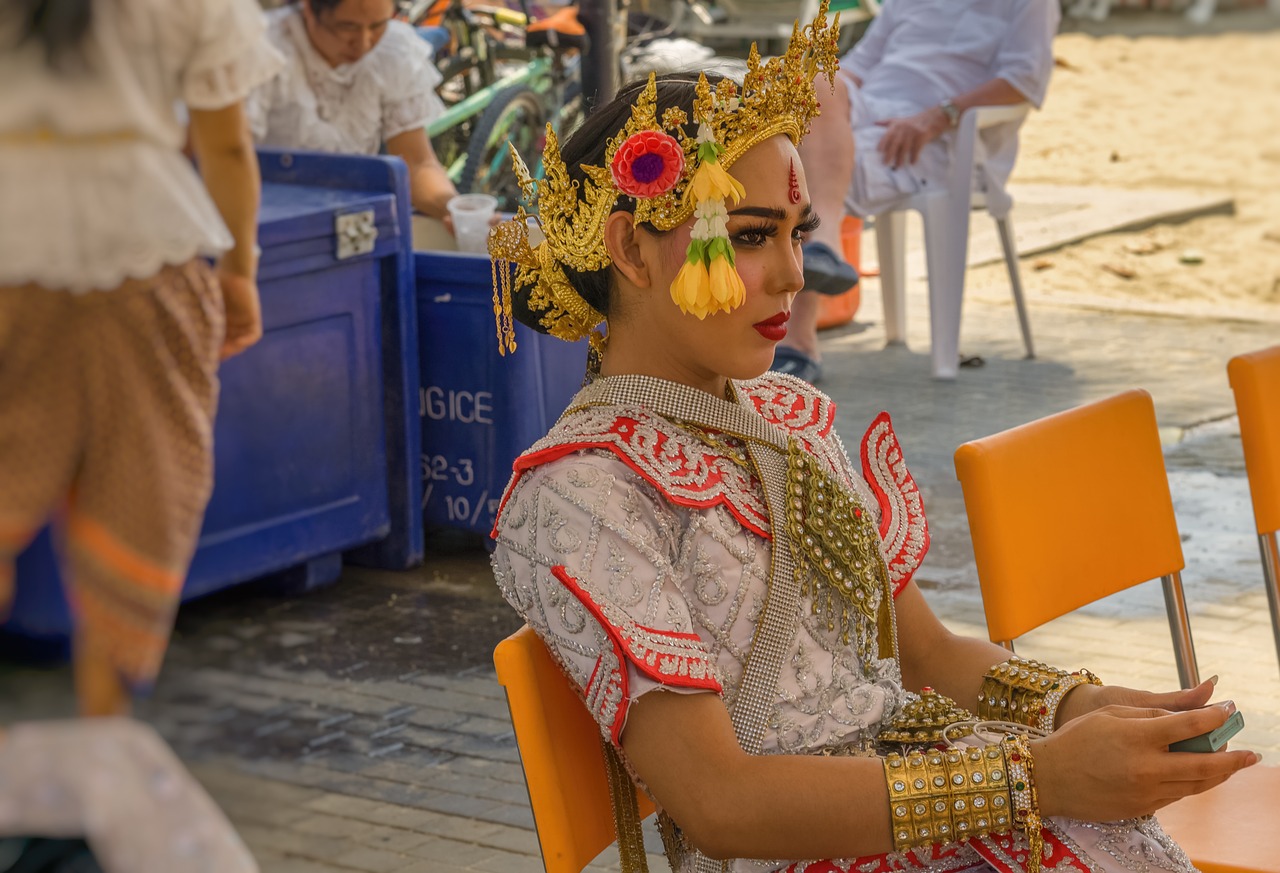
[(671, 175)]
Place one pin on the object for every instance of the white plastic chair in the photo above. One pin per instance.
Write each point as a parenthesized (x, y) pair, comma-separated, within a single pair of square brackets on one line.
[(946, 241)]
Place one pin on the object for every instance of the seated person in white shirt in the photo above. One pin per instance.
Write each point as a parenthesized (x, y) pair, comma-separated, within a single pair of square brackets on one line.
[(886, 128), (355, 79)]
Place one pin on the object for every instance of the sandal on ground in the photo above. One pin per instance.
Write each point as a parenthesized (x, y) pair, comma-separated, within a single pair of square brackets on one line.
[(796, 363), (826, 272)]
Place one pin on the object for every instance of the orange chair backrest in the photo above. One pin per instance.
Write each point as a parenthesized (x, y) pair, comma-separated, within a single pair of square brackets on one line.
[(561, 754), (1068, 509), (1255, 378)]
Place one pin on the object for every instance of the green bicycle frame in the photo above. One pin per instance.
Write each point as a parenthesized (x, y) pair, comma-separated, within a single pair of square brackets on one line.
[(536, 74)]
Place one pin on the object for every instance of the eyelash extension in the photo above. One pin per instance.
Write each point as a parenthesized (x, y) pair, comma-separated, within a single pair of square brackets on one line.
[(767, 230), (810, 224)]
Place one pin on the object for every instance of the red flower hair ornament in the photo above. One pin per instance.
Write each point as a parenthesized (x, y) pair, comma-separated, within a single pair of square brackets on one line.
[(648, 164)]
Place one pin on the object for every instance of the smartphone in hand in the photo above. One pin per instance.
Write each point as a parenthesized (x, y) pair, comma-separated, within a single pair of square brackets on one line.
[(1213, 740)]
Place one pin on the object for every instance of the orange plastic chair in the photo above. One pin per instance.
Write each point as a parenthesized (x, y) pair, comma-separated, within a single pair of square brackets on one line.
[(1076, 506), (560, 750), (839, 310), (1069, 509), (1231, 828), (1255, 379)]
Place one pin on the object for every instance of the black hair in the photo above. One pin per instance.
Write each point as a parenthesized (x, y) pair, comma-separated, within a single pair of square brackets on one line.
[(586, 146), (322, 6), (58, 26)]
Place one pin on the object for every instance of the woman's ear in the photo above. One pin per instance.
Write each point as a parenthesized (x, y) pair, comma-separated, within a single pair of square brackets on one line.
[(624, 249)]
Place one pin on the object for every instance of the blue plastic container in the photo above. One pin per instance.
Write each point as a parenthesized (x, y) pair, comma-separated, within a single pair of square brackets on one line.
[(479, 410), (316, 436)]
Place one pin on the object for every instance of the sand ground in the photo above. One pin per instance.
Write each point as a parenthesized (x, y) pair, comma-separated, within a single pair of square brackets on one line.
[(1147, 100)]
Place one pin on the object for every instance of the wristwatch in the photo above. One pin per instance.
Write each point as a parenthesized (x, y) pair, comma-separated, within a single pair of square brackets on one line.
[(950, 110)]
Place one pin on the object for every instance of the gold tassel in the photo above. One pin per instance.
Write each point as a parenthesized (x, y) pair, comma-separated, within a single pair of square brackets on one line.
[(626, 813), (502, 290)]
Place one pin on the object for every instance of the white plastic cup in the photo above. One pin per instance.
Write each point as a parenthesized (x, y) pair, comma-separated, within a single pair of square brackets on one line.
[(472, 215)]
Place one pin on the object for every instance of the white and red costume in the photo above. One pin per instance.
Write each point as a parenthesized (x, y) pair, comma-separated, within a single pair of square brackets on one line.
[(638, 543)]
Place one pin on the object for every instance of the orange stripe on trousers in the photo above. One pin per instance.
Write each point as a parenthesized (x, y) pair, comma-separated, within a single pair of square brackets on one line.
[(128, 563)]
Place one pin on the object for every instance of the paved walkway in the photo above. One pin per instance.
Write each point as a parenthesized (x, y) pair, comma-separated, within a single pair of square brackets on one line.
[(361, 729)]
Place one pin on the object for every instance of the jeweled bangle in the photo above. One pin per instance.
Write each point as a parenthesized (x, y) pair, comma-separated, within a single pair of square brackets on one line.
[(942, 796), (1022, 794), (1027, 692)]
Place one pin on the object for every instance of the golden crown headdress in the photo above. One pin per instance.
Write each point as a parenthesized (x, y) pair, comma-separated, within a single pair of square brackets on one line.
[(671, 174)]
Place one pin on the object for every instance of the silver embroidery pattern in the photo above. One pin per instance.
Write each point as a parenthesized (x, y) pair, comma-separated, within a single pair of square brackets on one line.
[(705, 574), (1139, 846), (708, 579)]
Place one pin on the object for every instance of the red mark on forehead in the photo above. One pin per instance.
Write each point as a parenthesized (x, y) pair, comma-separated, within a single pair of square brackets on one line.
[(793, 184)]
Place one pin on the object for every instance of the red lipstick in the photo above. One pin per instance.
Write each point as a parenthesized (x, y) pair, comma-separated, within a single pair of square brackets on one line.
[(773, 329)]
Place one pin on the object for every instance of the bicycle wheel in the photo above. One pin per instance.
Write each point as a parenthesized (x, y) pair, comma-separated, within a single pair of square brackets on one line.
[(516, 117)]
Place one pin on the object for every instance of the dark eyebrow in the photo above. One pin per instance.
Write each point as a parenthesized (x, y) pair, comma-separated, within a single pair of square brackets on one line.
[(770, 212)]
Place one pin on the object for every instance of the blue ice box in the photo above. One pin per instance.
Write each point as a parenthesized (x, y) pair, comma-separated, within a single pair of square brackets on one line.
[(317, 437), (479, 410)]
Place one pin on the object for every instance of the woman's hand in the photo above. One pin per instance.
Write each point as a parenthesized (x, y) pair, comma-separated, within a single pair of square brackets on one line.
[(1115, 763), (1084, 699), (244, 313)]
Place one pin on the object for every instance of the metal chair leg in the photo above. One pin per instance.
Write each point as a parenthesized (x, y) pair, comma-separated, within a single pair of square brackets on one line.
[(1184, 651), (1271, 575), (1005, 227)]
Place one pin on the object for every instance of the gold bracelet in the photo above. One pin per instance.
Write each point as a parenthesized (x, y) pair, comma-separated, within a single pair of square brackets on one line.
[(1026, 803), (941, 796), (1027, 692)]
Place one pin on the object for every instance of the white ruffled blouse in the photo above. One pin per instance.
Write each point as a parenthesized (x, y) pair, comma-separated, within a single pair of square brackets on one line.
[(347, 109), (94, 188)]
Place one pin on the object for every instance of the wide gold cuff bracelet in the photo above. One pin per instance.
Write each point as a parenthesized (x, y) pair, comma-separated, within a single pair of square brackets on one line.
[(942, 796), (1027, 692)]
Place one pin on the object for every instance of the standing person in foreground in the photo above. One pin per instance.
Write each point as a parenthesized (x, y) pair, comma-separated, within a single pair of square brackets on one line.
[(887, 128), (107, 795), (111, 322), (730, 595), (355, 80)]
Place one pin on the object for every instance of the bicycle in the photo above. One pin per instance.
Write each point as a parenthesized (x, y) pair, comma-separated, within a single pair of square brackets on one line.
[(505, 77)]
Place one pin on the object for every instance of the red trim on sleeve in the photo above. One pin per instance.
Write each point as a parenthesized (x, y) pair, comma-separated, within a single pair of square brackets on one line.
[(695, 474), (674, 659), (904, 529)]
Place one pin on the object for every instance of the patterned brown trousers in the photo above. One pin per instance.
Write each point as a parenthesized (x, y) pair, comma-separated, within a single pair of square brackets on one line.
[(106, 428)]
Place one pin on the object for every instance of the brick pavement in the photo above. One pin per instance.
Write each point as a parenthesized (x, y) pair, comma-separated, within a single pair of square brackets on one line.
[(361, 729)]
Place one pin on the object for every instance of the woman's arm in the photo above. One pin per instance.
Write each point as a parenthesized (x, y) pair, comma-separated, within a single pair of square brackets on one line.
[(229, 167), (734, 805), (429, 185), (934, 656), (955, 665), (1110, 764)]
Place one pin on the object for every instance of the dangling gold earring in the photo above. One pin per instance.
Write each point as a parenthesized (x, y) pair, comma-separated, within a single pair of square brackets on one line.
[(596, 344)]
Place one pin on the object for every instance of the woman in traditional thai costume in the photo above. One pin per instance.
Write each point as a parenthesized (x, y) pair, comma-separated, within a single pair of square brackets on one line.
[(730, 595)]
